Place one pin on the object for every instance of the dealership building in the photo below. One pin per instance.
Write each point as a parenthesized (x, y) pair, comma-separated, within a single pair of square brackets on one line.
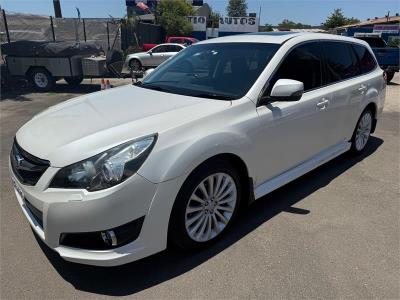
[(387, 27)]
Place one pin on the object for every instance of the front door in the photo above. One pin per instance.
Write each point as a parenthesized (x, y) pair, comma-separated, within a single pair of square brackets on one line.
[(292, 132)]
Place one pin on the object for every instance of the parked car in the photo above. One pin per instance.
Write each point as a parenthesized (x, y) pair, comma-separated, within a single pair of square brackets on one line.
[(183, 40), (388, 57), (151, 58), (114, 176)]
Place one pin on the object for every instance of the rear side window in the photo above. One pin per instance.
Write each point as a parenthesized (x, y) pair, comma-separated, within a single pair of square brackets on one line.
[(367, 61), (159, 49), (173, 48), (341, 63), (304, 64)]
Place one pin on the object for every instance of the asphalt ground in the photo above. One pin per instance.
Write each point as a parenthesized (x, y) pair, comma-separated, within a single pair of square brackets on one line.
[(333, 233)]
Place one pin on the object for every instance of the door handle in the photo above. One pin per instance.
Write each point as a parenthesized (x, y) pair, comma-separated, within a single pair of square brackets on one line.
[(323, 103), (362, 88)]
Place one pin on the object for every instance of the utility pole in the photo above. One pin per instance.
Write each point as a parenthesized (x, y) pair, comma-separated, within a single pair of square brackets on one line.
[(57, 9)]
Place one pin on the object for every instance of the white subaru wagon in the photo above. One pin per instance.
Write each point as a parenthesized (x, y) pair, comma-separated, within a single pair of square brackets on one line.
[(114, 176)]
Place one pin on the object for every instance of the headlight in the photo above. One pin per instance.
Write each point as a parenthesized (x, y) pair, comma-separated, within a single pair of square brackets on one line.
[(106, 169)]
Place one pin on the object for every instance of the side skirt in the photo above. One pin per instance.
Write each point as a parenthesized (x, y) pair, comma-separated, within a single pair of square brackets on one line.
[(290, 175)]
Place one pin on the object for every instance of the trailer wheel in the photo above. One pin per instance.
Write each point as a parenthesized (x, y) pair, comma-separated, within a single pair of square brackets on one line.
[(41, 79), (389, 76), (74, 81)]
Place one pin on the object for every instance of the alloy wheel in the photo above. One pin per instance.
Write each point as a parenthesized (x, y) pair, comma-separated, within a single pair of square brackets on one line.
[(363, 131), (210, 207)]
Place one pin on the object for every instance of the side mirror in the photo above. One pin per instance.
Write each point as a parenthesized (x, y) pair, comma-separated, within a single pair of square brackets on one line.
[(150, 52), (287, 90), (284, 90)]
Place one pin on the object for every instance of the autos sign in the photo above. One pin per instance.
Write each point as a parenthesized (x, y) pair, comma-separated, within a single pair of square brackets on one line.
[(238, 24), (198, 22)]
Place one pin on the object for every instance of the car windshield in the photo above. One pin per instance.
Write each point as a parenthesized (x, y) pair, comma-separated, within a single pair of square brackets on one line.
[(224, 71)]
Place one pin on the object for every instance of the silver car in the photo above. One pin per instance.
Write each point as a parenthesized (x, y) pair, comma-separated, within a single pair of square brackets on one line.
[(151, 58)]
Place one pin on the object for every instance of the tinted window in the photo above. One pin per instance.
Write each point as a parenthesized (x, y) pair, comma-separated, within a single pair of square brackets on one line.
[(174, 48), (367, 61), (304, 64), (159, 49), (340, 62), (217, 70), (178, 41)]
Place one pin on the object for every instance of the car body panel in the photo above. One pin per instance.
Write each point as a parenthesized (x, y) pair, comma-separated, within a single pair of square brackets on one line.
[(97, 122)]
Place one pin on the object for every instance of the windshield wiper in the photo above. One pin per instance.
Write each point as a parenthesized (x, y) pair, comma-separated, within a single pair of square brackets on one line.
[(154, 87), (213, 96)]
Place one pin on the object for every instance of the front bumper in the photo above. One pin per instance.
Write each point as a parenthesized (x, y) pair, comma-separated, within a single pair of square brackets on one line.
[(74, 211)]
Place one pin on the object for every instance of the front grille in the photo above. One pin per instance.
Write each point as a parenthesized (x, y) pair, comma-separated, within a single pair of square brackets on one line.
[(37, 214), (26, 167)]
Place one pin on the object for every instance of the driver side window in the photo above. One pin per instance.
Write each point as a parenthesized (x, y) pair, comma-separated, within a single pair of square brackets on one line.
[(159, 49), (303, 63)]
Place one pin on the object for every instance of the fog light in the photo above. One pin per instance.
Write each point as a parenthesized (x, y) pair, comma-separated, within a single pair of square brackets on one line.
[(105, 239), (109, 237)]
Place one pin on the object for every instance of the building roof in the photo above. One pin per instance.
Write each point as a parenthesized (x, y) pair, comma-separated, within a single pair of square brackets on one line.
[(375, 21)]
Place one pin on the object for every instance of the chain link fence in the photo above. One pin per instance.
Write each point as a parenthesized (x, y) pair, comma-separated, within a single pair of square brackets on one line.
[(102, 31)]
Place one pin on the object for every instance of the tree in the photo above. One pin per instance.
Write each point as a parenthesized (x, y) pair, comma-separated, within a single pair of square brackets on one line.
[(172, 16), (337, 19), (237, 8), (287, 24), (214, 20)]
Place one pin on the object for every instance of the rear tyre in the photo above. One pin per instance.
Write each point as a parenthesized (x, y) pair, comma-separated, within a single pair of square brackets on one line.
[(41, 79), (206, 206), (362, 132), (74, 81), (135, 64), (389, 76)]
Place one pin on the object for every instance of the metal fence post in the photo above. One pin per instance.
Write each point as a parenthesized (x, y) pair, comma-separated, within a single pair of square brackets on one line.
[(6, 25), (108, 37), (84, 29), (52, 28)]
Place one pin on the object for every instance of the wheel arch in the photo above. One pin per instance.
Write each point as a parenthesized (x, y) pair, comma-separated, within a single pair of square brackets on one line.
[(239, 165), (136, 58), (32, 68)]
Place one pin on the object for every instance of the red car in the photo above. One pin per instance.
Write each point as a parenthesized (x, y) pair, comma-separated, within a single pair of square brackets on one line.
[(184, 40)]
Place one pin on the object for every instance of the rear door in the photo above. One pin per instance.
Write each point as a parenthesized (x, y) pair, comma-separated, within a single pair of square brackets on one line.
[(342, 79)]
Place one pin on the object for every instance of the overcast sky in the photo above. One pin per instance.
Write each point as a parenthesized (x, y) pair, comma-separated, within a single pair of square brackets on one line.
[(272, 11)]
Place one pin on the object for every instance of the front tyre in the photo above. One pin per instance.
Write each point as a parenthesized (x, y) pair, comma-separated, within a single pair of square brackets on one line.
[(206, 205), (362, 132)]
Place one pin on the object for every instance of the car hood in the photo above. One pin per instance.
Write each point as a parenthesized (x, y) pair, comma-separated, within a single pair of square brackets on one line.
[(85, 126)]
